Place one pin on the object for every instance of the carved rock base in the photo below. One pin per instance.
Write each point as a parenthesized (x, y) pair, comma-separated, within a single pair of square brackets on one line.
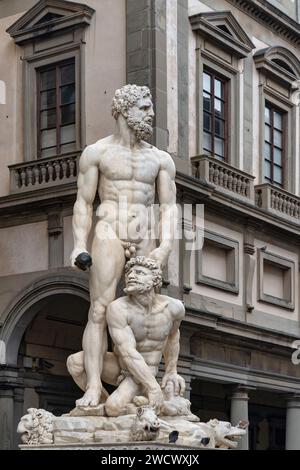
[(39, 429), (100, 429), (120, 446)]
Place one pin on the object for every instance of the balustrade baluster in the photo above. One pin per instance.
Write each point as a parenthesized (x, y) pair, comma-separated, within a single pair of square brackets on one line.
[(50, 171), (72, 166), (29, 175)]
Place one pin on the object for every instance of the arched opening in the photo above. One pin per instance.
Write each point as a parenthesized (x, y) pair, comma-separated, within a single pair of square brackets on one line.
[(44, 324), (53, 334)]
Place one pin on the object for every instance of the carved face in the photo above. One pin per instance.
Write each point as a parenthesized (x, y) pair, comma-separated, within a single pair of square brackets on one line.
[(148, 419), (25, 428), (227, 436), (140, 117), (138, 280)]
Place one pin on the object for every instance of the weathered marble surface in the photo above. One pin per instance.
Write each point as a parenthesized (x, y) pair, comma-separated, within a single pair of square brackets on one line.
[(144, 327), (144, 426), (127, 172)]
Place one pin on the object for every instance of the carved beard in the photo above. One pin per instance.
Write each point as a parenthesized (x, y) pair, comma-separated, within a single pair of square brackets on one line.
[(138, 288), (142, 128)]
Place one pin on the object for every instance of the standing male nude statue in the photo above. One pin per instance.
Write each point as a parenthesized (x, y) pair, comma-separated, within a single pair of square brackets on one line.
[(127, 172)]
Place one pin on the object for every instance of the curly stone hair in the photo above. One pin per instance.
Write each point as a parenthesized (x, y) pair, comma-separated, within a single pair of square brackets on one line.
[(41, 431), (150, 264), (126, 97)]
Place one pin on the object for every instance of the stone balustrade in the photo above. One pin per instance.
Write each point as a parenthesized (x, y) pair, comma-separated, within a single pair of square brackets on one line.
[(278, 201), (224, 176), (45, 172)]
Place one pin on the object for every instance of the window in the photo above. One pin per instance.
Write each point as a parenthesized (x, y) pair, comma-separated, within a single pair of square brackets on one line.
[(217, 264), (274, 145), (276, 280), (52, 38), (214, 116), (56, 109)]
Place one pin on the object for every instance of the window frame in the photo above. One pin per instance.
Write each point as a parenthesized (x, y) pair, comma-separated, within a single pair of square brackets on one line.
[(34, 63), (55, 66), (274, 108), (232, 248), (287, 108), (225, 81), (229, 72), (284, 264)]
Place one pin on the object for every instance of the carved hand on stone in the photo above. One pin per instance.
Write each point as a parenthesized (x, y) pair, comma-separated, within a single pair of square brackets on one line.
[(176, 380), (156, 399)]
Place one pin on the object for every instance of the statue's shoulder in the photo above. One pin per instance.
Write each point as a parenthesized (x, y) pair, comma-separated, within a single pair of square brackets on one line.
[(166, 161), (116, 313), (121, 302), (100, 146), (92, 153), (174, 305)]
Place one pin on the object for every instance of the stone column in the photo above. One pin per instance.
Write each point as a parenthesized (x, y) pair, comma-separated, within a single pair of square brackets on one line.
[(18, 412), (6, 417), (293, 423), (239, 412), (186, 358)]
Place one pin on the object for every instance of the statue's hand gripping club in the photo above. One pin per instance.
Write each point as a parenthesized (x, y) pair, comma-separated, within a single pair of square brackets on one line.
[(83, 261)]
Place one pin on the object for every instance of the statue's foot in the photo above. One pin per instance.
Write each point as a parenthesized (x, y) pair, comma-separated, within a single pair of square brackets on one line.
[(90, 398)]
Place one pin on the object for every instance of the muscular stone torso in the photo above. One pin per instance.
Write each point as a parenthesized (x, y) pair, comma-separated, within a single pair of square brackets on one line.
[(127, 188), (151, 329)]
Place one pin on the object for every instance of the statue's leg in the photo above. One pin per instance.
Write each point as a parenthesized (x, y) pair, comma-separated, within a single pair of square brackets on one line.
[(105, 273), (110, 372), (145, 246), (121, 397)]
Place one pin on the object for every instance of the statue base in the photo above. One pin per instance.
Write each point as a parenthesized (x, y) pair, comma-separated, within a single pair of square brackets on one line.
[(110, 447), (143, 430)]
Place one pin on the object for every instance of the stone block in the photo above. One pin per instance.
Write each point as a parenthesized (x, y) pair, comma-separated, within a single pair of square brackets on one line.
[(133, 6), (138, 60), (141, 20), (73, 424), (67, 437)]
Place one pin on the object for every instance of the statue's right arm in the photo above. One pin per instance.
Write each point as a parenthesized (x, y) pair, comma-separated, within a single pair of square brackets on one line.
[(87, 184), (124, 340)]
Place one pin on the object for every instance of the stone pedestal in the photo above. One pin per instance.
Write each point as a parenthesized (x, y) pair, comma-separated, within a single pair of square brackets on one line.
[(111, 447), (143, 430), (293, 424)]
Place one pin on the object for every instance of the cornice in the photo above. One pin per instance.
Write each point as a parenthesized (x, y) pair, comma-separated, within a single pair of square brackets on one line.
[(235, 41), (29, 26), (270, 16)]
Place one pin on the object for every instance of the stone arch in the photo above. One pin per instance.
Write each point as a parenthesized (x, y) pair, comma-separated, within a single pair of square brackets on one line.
[(27, 304)]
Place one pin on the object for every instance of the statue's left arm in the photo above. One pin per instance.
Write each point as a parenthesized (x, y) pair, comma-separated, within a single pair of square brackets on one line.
[(171, 352), (166, 189)]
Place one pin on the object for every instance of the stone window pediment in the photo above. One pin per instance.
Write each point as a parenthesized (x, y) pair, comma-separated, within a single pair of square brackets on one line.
[(49, 16), (279, 63), (222, 28)]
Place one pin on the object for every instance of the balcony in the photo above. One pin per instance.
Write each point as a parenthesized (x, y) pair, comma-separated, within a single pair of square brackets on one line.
[(43, 173), (227, 179), (278, 201)]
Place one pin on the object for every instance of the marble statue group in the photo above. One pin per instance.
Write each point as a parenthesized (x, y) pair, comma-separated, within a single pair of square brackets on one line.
[(128, 173)]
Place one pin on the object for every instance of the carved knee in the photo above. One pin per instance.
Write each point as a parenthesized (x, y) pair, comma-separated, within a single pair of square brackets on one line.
[(98, 312), (74, 366), (113, 407)]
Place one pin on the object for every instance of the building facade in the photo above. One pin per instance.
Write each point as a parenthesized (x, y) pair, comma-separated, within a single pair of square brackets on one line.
[(225, 79)]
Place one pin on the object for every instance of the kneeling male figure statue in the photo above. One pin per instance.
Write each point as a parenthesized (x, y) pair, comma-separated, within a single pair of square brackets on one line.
[(144, 326)]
